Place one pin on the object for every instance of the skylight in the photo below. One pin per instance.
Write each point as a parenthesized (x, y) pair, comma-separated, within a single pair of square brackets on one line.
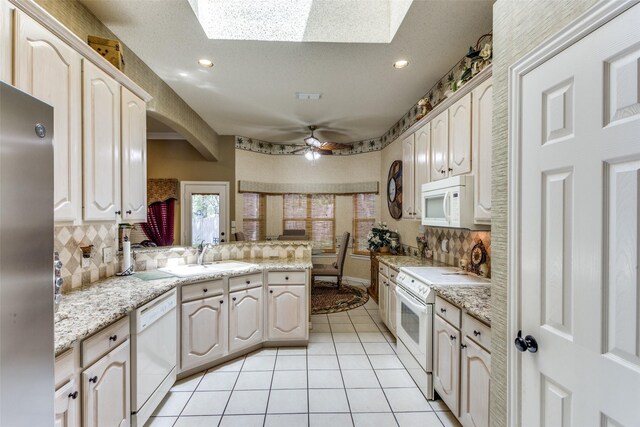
[(338, 21)]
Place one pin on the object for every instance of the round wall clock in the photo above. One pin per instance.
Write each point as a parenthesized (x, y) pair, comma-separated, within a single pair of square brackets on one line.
[(394, 189)]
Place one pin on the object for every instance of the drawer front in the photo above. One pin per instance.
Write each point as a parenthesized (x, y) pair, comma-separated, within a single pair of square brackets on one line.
[(448, 312), (202, 290), (393, 273), (245, 281), (104, 341), (477, 331), (287, 277), (64, 368), (383, 269)]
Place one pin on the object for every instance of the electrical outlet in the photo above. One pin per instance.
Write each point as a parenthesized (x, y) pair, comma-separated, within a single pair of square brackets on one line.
[(86, 262), (107, 254)]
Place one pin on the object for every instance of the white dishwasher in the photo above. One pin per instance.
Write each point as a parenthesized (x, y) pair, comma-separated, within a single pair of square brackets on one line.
[(153, 355)]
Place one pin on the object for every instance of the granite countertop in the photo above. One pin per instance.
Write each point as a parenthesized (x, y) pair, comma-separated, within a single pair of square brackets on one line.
[(83, 312), (475, 299)]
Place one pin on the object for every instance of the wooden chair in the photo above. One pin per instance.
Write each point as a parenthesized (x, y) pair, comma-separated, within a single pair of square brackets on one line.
[(335, 269)]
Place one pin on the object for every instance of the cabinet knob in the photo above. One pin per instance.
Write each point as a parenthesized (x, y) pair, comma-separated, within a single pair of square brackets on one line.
[(234, 298), (453, 338), (248, 282), (286, 277), (129, 211), (93, 379), (443, 171), (443, 310), (118, 212), (205, 290), (271, 291), (73, 395), (476, 333), (113, 337), (450, 169), (463, 346), (221, 301)]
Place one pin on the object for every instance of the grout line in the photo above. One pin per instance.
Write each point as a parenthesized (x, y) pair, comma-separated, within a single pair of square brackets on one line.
[(344, 386), (244, 359)]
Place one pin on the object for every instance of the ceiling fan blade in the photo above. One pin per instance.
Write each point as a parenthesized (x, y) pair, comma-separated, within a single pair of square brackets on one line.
[(334, 146), (324, 152)]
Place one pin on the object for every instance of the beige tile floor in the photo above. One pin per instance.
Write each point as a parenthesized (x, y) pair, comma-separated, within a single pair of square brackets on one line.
[(349, 375)]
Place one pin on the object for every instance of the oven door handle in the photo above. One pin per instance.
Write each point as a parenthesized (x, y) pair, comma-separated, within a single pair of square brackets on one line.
[(409, 301)]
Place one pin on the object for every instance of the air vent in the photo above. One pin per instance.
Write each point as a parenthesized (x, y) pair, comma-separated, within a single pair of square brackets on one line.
[(308, 96)]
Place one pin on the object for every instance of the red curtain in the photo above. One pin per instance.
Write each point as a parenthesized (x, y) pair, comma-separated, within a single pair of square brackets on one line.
[(159, 225)]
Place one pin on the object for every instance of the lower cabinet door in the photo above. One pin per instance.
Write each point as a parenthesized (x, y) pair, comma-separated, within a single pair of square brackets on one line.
[(287, 313), (245, 318), (105, 390), (446, 363), (383, 298), (475, 384), (203, 331), (391, 307), (66, 405)]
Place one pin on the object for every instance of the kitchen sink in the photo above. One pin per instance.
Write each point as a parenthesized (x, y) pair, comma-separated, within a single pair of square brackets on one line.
[(214, 267)]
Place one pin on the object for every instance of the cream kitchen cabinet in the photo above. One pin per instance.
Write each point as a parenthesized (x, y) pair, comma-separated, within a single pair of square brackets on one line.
[(50, 70), (446, 363), (387, 298), (383, 297), (101, 144), (392, 308), (439, 152), (134, 157), (66, 405), (106, 390), (287, 312), (415, 170), (245, 318), (475, 384), (481, 141), (459, 160), (203, 331)]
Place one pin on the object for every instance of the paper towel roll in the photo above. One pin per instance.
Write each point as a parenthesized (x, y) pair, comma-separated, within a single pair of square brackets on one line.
[(126, 255)]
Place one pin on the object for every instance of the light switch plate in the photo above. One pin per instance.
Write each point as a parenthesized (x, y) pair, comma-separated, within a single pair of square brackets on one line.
[(107, 254), (86, 262)]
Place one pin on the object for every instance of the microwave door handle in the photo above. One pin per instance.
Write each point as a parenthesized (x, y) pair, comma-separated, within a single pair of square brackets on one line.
[(446, 206)]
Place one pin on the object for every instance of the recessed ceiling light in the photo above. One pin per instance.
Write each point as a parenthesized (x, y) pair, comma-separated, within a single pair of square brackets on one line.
[(205, 63), (401, 63)]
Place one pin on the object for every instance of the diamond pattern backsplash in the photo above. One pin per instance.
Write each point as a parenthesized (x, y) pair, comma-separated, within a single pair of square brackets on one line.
[(67, 241)]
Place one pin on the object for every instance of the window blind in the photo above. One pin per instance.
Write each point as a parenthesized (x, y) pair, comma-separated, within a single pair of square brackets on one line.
[(364, 213), (253, 216), (314, 213)]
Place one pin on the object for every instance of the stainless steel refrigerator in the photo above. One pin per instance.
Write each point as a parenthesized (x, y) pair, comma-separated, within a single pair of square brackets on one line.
[(26, 260)]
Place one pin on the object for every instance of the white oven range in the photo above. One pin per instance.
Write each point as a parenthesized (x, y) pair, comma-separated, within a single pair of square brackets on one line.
[(414, 322)]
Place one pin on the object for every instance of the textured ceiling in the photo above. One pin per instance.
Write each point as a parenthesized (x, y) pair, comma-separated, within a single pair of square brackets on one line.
[(251, 89)]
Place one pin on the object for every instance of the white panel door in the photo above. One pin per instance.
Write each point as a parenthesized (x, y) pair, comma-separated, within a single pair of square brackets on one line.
[(50, 70), (101, 144), (66, 405), (475, 385), (245, 318), (460, 136), (580, 199), (134, 158), (422, 146), (287, 313), (481, 141), (203, 331), (446, 363), (408, 177), (106, 392), (383, 297), (439, 146)]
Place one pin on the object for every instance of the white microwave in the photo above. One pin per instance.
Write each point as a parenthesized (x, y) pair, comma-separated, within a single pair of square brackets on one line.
[(449, 203)]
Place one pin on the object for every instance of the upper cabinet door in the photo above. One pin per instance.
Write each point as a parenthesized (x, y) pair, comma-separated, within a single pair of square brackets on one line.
[(408, 177), (423, 145), (50, 70), (460, 136), (482, 137), (101, 144), (134, 157), (439, 146)]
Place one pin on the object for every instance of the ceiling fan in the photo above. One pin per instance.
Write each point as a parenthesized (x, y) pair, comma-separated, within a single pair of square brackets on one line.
[(314, 148)]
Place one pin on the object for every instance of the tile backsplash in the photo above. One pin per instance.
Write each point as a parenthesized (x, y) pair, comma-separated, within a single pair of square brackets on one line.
[(67, 241)]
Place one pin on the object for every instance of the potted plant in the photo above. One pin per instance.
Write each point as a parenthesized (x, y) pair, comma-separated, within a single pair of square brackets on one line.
[(380, 238)]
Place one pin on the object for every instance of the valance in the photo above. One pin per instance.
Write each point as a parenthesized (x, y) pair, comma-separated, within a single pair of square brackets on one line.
[(308, 188), (162, 189)]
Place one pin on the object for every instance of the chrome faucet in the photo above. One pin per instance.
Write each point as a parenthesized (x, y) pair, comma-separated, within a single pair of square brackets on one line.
[(202, 250)]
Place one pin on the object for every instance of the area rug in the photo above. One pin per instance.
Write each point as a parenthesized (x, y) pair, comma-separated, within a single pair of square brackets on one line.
[(326, 298)]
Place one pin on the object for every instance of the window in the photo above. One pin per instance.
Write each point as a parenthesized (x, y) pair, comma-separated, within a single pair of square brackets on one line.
[(364, 212), (253, 216), (314, 213)]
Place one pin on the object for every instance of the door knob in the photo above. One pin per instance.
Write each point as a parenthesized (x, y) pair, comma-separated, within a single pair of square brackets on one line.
[(527, 343)]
